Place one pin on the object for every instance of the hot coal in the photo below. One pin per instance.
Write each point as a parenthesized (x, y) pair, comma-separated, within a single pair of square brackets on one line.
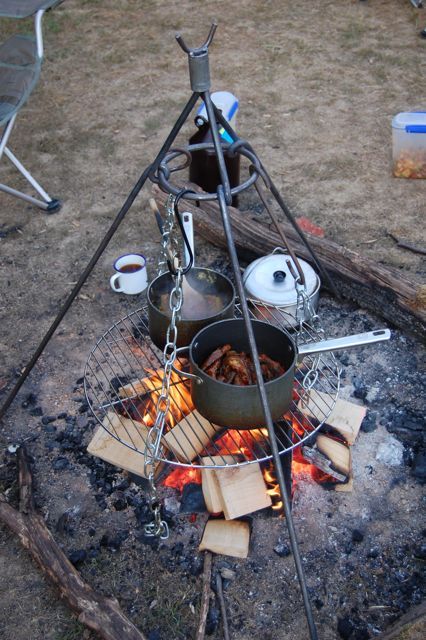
[(77, 557), (60, 464), (369, 423), (360, 388), (68, 521), (419, 466), (282, 550), (212, 622), (30, 400), (357, 535), (192, 500), (113, 541), (119, 501)]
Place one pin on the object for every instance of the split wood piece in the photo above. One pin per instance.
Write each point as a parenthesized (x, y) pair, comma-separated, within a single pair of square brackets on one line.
[(345, 487), (346, 417), (226, 537), (138, 387), (243, 490), (104, 445), (190, 436), (337, 452), (205, 598), (373, 286), (211, 490), (102, 615)]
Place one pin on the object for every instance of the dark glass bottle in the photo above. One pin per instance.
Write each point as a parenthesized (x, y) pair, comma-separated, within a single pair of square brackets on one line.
[(204, 170)]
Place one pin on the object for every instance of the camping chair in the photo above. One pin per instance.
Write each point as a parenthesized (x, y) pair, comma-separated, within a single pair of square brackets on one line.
[(21, 57)]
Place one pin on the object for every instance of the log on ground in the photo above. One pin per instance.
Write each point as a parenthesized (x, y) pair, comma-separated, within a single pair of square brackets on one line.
[(383, 290), (102, 615)]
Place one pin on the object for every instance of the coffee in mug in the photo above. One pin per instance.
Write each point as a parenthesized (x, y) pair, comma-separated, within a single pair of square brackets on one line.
[(131, 275)]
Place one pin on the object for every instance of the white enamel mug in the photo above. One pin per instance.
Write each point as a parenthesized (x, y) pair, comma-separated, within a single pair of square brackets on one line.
[(131, 275)]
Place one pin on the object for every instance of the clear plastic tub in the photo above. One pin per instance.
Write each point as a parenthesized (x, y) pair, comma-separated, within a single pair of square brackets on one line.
[(409, 144)]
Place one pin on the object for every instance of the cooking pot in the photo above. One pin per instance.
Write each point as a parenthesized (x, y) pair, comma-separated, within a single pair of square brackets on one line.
[(208, 296), (239, 407), (272, 279)]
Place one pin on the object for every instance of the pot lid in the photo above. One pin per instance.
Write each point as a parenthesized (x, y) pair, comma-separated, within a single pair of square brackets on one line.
[(269, 279)]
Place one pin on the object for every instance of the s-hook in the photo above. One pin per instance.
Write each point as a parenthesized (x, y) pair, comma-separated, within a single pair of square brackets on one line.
[(188, 267)]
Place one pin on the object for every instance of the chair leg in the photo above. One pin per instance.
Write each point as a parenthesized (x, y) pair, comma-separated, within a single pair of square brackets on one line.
[(49, 203)]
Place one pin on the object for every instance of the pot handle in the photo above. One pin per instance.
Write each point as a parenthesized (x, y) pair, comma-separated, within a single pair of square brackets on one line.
[(348, 342), (181, 374)]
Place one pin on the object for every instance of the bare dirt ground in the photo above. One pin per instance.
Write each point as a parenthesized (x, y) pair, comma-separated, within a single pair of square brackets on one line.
[(318, 84)]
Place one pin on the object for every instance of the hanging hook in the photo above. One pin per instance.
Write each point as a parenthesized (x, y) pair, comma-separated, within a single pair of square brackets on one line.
[(197, 50), (171, 266)]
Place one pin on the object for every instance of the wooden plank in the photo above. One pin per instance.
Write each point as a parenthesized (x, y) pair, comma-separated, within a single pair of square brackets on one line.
[(228, 538), (345, 487), (103, 445), (138, 387), (190, 436), (346, 417), (211, 490), (243, 490), (337, 452)]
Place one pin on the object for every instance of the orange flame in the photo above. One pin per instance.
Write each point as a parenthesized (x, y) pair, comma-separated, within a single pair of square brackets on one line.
[(180, 397), (274, 489), (179, 477)]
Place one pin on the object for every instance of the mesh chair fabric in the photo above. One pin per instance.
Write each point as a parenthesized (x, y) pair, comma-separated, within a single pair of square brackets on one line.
[(19, 73), (25, 8)]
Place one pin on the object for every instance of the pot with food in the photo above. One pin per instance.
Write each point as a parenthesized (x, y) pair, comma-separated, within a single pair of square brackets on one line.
[(223, 381)]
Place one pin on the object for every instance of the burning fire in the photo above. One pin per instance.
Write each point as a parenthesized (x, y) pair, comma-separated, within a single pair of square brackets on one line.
[(232, 442), (179, 477), (180, 397)]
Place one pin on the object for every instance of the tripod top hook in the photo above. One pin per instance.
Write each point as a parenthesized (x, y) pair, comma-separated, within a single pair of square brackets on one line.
[(198, 59), (197, 50)]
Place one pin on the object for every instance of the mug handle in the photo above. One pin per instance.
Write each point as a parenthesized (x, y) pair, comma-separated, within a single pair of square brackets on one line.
[(181, 374), (112, 282)]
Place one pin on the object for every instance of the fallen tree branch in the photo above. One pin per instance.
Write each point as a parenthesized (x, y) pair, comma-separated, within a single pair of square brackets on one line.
[(97, 612), (205, 598), (371, 285), (407, 245)]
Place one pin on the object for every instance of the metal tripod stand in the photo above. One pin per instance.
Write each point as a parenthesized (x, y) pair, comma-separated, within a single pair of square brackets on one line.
[(160, 172)]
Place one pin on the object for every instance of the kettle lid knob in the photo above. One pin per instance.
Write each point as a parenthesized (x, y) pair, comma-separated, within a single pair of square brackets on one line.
[(279, 276)]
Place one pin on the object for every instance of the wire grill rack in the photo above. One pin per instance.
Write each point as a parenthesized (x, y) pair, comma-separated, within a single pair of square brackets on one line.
[(123, 378)]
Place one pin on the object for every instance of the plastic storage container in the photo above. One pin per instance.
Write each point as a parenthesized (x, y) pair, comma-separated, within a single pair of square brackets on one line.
[(409, 144)]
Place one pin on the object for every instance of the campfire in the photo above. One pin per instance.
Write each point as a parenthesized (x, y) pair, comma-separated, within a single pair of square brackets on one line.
[(232, 467)]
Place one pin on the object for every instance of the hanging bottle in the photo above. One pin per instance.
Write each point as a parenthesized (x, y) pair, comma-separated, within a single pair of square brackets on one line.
[(204, 170)]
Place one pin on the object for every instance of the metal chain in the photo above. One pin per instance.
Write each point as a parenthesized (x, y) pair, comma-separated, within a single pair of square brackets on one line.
[(158, 527), (306, 313), (170, 242)]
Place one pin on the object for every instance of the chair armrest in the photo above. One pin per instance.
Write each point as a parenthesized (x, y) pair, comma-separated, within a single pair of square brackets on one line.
[(25, 8)]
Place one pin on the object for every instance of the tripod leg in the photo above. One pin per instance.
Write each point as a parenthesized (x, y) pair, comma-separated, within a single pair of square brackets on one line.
[(99, 251), (266, 411)]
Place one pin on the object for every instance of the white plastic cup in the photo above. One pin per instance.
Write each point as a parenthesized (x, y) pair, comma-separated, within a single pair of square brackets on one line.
[(131, 276)]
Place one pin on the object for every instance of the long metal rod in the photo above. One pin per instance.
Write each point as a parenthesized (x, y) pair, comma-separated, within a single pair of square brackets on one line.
[(326, 277), (265, 406), (217, 145), (101, 248)]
